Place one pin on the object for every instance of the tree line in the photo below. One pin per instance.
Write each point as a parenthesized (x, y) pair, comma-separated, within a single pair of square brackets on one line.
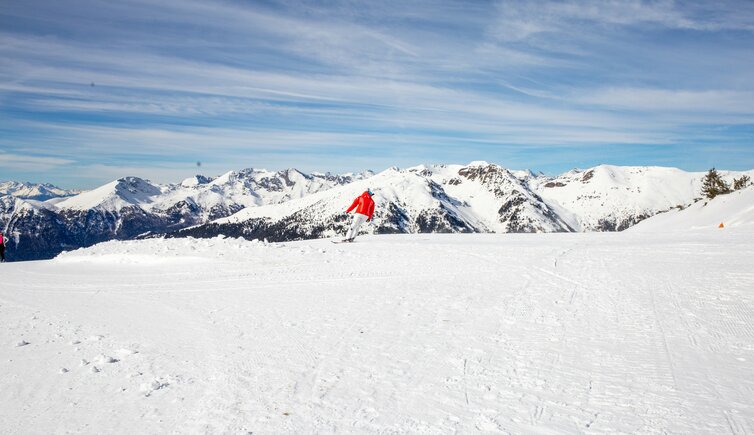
[(714, 185)]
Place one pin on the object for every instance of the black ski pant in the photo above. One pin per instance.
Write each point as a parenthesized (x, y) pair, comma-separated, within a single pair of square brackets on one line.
[(2, 252)]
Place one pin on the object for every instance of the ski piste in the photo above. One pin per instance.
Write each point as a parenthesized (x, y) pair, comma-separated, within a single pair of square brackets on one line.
[(493, 304)]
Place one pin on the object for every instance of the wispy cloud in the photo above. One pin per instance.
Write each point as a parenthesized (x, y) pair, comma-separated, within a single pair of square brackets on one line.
[(30, 162), (716, 102), (522, 20), (122, 85)]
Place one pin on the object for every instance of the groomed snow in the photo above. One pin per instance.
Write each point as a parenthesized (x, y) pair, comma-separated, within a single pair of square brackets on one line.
[(540, 333)]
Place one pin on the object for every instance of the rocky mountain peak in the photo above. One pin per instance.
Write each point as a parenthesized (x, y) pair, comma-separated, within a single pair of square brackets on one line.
[(290, 204)]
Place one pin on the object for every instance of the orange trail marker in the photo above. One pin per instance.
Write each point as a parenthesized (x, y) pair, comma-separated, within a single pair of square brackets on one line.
[(721, 225)]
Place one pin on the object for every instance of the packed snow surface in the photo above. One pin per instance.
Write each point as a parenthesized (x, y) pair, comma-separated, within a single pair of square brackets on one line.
[(463, 333)]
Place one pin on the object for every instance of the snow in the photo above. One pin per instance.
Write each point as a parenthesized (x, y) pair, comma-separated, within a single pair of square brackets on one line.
[(113, 196), (585, 197), (627, 332), (173, 251), (734, 211), (226, 178), (40, 192), (326, 200), (196, 180), (246, 188), (489, 198), (412, 190)]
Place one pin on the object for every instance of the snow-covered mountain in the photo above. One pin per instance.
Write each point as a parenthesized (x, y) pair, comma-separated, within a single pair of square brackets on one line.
[(426, 199), (479, 197), (214, 197), (33, 191), (613, 198), (290, 205), (130, 207)]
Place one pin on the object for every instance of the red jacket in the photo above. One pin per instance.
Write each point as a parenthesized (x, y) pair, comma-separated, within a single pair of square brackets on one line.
[(364, 204)]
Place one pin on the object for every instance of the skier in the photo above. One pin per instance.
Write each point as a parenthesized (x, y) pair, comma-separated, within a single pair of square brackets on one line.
[(2, 248), (364, 206)]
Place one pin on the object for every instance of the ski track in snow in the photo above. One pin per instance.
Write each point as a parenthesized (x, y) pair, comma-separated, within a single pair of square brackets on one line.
[(545, 333)]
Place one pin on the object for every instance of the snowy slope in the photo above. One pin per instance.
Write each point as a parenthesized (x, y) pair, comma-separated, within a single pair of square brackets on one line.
[(588, 333), (501, 197), (615, 197), (735, 211), (113, 196)]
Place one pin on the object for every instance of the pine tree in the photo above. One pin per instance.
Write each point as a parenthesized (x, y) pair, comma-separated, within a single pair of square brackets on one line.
[(713, 185), (740, 183)]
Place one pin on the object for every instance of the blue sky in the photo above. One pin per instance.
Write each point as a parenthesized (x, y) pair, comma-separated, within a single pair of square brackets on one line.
[(93, 90)]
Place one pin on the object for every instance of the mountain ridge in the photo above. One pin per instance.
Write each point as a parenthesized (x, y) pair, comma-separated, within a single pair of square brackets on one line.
[(479, 197), (130, 207), (290, 204), (34, 191)]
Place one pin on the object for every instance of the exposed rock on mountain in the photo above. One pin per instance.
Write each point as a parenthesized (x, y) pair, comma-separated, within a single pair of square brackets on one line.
[(290, 205), (132, 207)]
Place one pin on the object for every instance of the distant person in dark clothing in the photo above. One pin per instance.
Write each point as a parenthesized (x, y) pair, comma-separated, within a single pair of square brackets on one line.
[(2, 248)]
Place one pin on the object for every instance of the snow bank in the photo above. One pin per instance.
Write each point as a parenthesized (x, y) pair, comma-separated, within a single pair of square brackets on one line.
[(735, 211), (161, 251)]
